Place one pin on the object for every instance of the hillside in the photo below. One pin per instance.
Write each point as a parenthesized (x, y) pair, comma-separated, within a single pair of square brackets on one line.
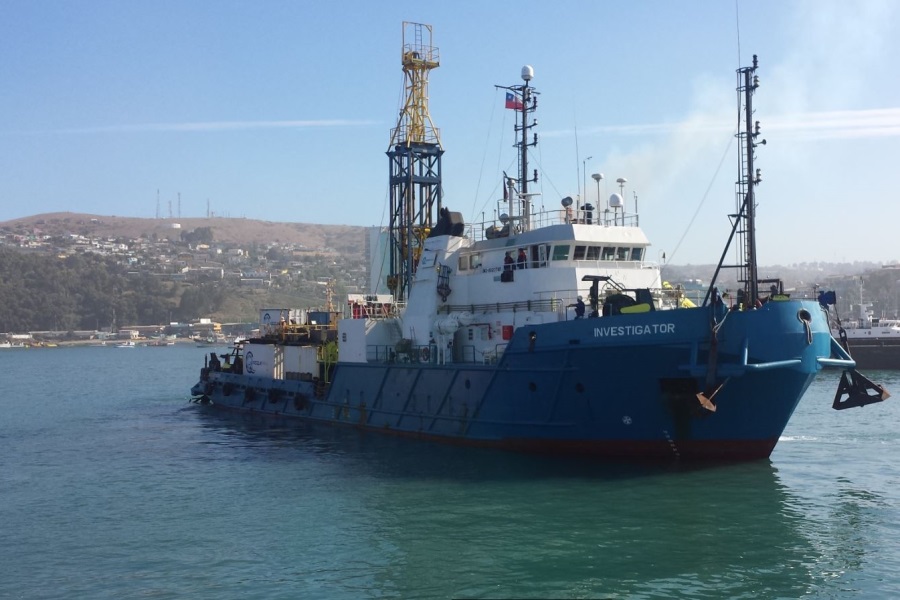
[(341, 238)]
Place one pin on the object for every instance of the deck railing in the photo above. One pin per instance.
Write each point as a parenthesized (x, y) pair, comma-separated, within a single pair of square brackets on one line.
[(494, 228)]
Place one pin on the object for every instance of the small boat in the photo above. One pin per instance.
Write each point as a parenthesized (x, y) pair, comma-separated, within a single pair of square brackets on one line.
[(127, 344), (161, 340), (475, 347), (211, 339)]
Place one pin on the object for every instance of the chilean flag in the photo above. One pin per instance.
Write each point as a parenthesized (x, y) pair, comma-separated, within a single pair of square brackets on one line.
[(513, 101)]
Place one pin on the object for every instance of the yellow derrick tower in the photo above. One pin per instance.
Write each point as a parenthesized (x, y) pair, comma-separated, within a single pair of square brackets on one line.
[(415, 161)]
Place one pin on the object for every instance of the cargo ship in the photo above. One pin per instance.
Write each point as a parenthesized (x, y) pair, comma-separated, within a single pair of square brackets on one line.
[(549, 331)]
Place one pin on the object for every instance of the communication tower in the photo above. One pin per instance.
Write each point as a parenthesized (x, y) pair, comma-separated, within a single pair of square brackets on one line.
[(415, 161)]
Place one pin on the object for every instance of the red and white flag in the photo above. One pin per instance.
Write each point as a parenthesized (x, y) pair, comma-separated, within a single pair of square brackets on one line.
[(513, 101)]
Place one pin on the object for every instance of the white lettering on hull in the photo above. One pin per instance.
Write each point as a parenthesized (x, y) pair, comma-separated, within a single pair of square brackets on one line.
[(623, 330)]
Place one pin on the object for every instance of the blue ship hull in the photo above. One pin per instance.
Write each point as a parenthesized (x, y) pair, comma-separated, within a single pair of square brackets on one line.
[(624, 385)]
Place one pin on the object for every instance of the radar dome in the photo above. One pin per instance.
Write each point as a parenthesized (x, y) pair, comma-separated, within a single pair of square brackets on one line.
[(615, 201), (527, 73)]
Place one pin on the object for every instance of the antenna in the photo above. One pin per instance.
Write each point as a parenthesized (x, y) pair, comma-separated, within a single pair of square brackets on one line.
[(523, 99), (744, 220), (584, 199), (598, 177), (750, 177)]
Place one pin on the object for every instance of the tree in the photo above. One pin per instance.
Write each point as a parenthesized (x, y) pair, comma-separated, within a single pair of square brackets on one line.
[(200, 235)]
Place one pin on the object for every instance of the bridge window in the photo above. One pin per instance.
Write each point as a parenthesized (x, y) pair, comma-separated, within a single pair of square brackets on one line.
[(622, 253), (637, 254), (609, 253), (463, 263), (561, 252), (579, 253), (593, 252)]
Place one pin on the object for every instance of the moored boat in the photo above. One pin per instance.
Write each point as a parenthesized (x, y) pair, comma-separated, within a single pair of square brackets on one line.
[(873, 342), (161, 340), (211, 340), (484, 339)]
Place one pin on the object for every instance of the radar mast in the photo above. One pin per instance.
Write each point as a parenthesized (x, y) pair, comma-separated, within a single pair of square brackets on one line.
[(523, 99)]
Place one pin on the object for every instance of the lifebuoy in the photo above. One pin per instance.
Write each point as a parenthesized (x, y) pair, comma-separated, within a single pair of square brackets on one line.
[(426, 354)]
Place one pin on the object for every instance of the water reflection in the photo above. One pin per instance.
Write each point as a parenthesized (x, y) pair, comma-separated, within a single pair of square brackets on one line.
[(435, 520)]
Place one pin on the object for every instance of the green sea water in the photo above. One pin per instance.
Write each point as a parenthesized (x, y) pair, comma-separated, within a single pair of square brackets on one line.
[(112, 485)]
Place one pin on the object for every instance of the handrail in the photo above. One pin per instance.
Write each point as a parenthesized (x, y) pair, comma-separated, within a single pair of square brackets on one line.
[(546, 305), (843, 360), (477, 231)]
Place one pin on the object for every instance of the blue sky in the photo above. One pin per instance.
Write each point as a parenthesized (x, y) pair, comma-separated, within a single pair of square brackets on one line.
[(282, 111)]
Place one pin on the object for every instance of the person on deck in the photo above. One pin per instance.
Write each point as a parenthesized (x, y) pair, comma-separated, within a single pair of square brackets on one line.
[(579, 308), (522, 259), (508, 262)]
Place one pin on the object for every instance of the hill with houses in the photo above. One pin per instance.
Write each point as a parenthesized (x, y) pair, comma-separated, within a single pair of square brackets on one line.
[(338, 238), (286, 263), (186, 269)]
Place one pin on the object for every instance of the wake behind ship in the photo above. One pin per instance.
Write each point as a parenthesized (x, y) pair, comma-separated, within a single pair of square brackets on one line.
[(547, 332)]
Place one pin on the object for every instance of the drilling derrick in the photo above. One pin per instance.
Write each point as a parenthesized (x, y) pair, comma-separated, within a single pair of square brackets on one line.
[(415, 162)]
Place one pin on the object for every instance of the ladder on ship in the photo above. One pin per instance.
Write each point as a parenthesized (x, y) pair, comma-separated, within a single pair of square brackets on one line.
[(743, 221), (745, 199)]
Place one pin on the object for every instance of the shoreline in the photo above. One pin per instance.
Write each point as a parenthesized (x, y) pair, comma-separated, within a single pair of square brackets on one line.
[(101, 344)]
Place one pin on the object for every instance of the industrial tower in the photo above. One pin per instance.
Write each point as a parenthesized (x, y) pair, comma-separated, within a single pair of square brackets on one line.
[(415, 162)]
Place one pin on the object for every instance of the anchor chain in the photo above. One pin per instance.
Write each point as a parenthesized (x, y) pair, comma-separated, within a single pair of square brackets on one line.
[(706, 398)]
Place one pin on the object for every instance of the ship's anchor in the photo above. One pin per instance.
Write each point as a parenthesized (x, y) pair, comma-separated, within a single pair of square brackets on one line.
[(855, 389), (706, 400)]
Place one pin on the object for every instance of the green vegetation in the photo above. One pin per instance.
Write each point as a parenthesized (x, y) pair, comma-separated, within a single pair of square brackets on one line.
[(41, 292), (201, 235)]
